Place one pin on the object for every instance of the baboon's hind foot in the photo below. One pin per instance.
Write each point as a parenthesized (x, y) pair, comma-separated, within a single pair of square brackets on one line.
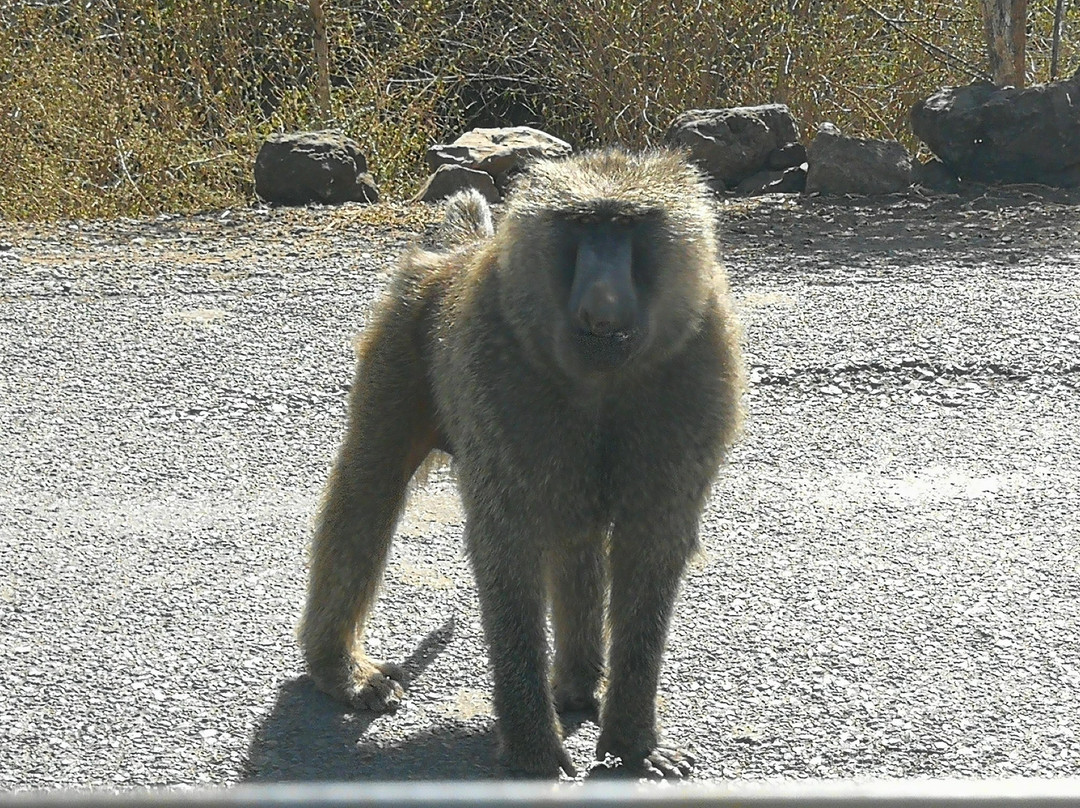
[(576, 695)]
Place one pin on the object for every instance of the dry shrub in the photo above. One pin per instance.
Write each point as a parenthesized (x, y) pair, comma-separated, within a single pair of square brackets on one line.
[(125, 107), (628, 68), (136, 106)]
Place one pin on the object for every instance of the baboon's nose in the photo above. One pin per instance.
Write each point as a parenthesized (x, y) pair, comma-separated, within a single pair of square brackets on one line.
[(599, 312)]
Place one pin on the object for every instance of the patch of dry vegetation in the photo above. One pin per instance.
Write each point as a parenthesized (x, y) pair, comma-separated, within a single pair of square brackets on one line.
[(128, 107)]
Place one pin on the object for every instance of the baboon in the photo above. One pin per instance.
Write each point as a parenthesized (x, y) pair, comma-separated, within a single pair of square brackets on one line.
[(582, 367)]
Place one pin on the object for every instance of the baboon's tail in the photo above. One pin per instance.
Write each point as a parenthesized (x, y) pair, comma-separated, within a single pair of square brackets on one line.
[(467, 218)]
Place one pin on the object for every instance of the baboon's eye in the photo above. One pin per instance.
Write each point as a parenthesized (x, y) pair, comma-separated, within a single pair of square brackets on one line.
[(566, 252), (644, 256)]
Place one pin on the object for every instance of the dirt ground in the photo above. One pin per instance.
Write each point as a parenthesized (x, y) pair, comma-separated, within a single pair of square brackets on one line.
[(889, 586)]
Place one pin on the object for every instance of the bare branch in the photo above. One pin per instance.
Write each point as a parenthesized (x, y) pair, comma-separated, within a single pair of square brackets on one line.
[(933, 50), (1059, 11)]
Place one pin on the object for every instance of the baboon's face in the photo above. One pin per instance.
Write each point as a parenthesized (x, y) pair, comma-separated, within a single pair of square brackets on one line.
[(599, 286), (607, 262), (623, 289)]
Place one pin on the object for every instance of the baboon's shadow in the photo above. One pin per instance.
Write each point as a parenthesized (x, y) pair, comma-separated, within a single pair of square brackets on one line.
[(309, 736)]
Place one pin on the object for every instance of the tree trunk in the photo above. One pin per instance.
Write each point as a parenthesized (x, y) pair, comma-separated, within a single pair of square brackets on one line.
[(322, 61), (1005, 25)]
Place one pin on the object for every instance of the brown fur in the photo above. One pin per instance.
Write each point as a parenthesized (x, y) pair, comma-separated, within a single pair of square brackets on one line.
[(596, 477)]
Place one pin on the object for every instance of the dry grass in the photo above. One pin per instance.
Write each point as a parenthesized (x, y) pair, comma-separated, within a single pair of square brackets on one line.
[(129, 107)]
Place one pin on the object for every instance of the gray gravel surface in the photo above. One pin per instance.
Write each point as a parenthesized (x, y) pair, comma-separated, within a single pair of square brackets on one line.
[(889, 585)]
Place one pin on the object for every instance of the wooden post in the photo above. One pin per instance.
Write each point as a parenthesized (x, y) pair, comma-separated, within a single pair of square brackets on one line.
[(322, 61), (1005, 25)]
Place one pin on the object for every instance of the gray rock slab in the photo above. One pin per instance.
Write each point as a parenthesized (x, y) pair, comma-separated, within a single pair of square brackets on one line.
[(733, 143), (451, 179), (840, 164), (500, 151)]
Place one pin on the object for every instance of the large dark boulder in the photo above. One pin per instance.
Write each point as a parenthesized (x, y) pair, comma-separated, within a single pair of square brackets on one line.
[(1005, 134), (734, 143), (297, 168), (839, 164)]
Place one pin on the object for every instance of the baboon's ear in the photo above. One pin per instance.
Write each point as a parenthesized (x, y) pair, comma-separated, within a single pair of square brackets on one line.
[(467, 218)]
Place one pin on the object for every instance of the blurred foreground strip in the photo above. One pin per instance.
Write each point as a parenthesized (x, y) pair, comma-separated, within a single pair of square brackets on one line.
[(805, 794)]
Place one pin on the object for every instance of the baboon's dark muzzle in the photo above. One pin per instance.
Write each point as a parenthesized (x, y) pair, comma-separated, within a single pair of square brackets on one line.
[(603, 300)]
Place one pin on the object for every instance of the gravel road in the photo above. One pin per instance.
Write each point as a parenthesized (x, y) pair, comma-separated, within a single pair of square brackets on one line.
[(889, 588)]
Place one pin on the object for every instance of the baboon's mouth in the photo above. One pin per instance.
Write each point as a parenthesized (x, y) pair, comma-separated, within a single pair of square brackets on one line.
[(616, 337), (605, 352)]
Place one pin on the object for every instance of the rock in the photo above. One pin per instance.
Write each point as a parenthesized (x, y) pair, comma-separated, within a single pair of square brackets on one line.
[(735, 143), (1005, 134), (302, 167), (787, 156), (449, 179), (838, 164), (935, 175), (500, 152), (789, 181)]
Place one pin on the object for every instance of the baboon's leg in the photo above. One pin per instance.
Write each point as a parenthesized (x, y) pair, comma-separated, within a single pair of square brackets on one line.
[(390, 432), (647, 563), (513, 604), (578, 583)]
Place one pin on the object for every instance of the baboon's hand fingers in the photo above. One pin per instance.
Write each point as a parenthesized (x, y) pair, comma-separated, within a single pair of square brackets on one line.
[(540, 764), (661, 763), (391, 671), (377, 687), (362, 683), (667, 762)]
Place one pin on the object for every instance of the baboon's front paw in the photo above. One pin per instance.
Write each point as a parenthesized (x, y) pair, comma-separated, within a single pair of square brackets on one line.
[(376, 686), (541, 762), (659, 763), (365, 684)]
